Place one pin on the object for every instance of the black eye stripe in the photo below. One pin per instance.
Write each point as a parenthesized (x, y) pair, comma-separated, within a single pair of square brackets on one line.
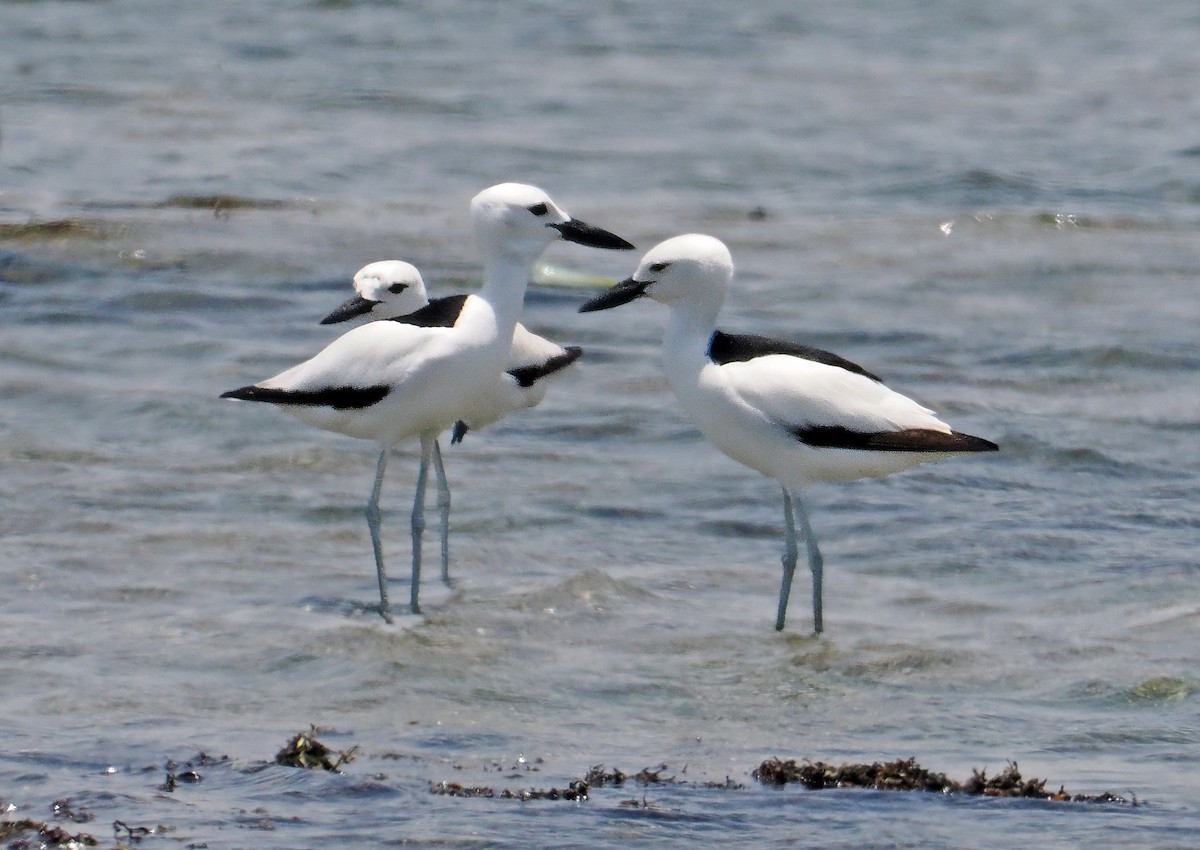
[(539, 209), (397, 288), (658, 267)]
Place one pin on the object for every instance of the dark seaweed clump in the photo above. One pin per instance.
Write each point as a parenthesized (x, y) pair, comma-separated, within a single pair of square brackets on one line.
[(898, 775), (598, 776), (577, 790), (907, 775), (304, 750), (29, 833)]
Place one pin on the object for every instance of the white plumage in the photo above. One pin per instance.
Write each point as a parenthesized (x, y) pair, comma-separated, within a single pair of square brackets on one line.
[(796, 414), (390, 381), (392, 289)]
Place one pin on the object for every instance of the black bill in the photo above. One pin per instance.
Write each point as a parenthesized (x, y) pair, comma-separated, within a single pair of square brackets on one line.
[(621, 293), (352, 309), (593, 237)]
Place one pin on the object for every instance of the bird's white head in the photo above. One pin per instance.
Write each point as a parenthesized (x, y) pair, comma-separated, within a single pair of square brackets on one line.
[(393, 283), (692, 269), (517, 221), (384, 290)]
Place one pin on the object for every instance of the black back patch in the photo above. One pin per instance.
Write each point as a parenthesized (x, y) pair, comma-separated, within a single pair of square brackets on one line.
[(910, 440), (737, 348), (438, 313), (339, 398), (527, 376)]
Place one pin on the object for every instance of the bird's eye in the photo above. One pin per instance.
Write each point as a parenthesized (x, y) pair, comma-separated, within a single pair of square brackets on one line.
[(539, 209), (658, 267), (397, 288)]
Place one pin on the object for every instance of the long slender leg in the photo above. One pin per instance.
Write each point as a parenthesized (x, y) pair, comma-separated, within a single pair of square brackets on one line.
[(418, 520), (443, 501), (385, 609), (790, 552), (816, 563)]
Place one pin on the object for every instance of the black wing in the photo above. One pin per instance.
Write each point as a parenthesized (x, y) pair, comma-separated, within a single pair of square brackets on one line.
[(733, 348), (438, 313), (909, 440), (339, 398), (527, 376)]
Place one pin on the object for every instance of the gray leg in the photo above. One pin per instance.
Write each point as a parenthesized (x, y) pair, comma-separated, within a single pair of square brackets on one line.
[(790, 552), (444, 507), (815, 563), (385, 610), (418, 520)]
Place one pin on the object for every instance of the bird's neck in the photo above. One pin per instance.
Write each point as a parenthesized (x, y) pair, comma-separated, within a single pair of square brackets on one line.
[(503, 288), (689, 329), (685, 345)]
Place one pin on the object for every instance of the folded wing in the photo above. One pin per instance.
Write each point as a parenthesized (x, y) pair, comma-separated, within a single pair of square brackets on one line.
[(827, 406)]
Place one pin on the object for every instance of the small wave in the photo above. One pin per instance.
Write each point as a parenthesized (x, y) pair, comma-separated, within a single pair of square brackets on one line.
[(904, 659), (57, 228), (402, 102), (976, 187), (172, 300), (589, 590), (744, 528), (623, 513), (1096, 357), (226, 203)]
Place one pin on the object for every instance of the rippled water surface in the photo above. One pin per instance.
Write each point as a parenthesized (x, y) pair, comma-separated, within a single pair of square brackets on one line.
[(996, 209)]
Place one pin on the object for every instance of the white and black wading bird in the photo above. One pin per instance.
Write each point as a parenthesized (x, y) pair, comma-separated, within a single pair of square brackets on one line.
[(796, 414), (390, 381), (394, 289)]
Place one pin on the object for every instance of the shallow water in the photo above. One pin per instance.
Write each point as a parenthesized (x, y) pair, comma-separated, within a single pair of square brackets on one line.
[(995, 211)]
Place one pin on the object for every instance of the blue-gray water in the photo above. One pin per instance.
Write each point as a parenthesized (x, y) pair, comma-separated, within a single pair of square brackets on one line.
[(995, 208)]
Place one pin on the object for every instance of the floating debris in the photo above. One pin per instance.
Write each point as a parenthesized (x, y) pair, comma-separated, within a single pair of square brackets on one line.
[(646, 776), (175, 776), (907, 775), (135, 834), (634, 803), (899, 775), (14, 832), (598, 776), (576, 791), (65, 810), (188, 773), (727, 785), (457, 789), (304, 750)]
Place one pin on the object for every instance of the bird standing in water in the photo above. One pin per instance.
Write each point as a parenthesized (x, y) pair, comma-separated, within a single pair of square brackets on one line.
[(796, 414), (391, 381)]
